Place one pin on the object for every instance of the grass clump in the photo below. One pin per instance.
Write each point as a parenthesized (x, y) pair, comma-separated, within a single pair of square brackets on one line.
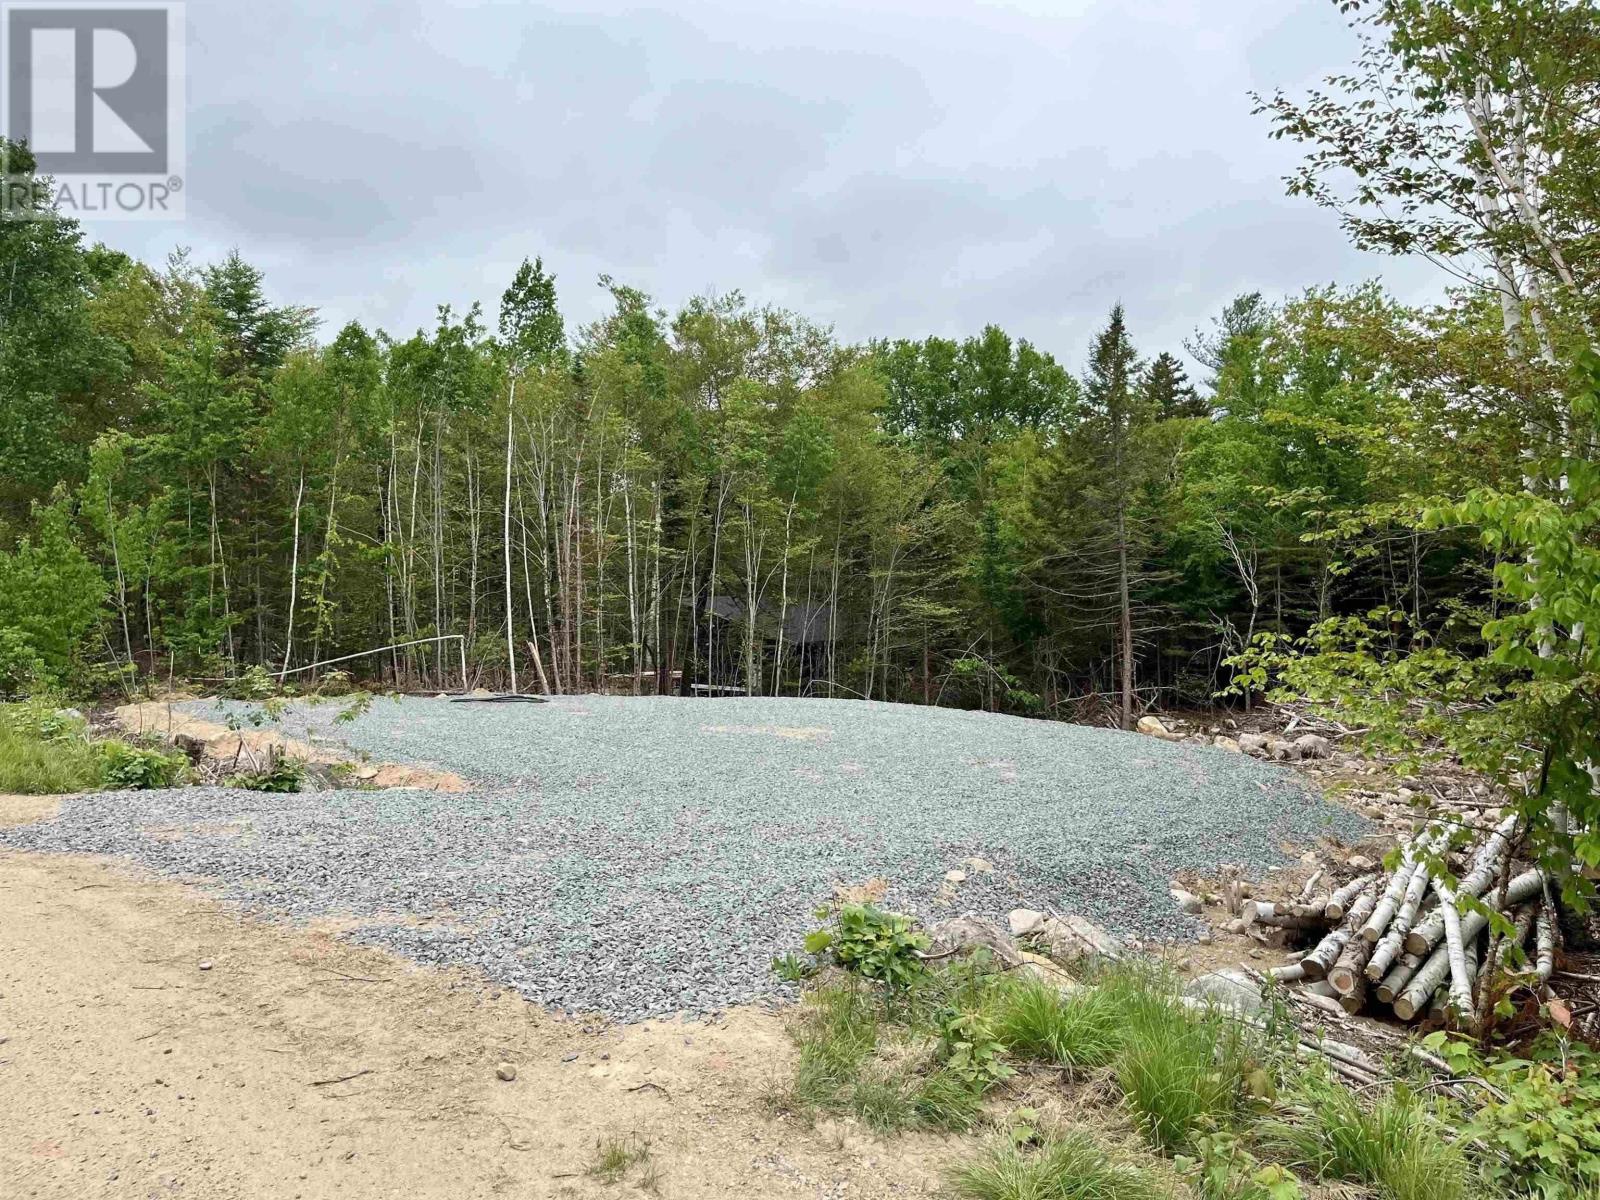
[(43, 753), (889, 1077), (1071, 1167), (1181, 1070), (1392, 1146), (1080, 1031), (614, 1157)]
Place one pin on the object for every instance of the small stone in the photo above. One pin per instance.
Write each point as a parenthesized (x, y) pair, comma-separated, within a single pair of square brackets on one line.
[(205, 964), (569, 1058), (1187, 901), (506, 1072), (1253, 743), (1360, 862), (1227, 743), (1023, 921), (955, 876), (1313, 745), (1204, 938)]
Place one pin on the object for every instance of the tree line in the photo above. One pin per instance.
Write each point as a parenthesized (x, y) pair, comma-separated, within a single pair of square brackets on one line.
[(194, 480)]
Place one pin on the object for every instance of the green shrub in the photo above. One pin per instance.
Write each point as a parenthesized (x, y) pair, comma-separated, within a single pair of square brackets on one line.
[(1541, 1125), (1073, 1167), (127, 766), (1222, 1169), (872, 943), (281, 774), (253, 683)]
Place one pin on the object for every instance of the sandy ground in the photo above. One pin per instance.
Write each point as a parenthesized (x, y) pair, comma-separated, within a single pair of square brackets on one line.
[(300, 1066)]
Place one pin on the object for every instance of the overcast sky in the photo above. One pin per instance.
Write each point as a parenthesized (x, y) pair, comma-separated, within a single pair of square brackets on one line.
[(891, 169)]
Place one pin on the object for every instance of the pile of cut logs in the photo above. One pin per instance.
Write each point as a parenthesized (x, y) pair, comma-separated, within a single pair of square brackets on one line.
[(1410, 940)]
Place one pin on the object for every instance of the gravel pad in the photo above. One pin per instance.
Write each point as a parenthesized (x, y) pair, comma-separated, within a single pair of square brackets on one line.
[(642, 856)]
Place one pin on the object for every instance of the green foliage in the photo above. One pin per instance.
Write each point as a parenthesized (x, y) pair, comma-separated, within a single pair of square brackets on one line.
[(1181, 1071), (1082, 1030), (280, 774), (253, 683), (140, 767), (791, 968), (50, 596), (614, 1157), (1222, 1169), (1071, 1167), (1540, 1121), (45, 752), (971, 1051), (873, 943), (1392, 1144)]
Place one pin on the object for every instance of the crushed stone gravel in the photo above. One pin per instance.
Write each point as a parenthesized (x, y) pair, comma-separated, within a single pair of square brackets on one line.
[(640, 856)]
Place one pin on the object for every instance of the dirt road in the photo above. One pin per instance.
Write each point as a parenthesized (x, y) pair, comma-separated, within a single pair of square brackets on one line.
[(154, 1043)]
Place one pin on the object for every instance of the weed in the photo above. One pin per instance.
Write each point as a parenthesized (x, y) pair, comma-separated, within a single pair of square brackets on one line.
[(1072, 1167), (971, 1052), (791, 968), (1222, 1169), (127, 766), (873, 943), (281, 774), (1393, 1145), (253, 683), (614, 1157)]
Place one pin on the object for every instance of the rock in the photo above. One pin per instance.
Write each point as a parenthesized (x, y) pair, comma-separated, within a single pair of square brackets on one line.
[(1314, 745), (966, 934), (1204, 938), (1046, 971), (1228, 987), (1253, 743), (1226, 743), (1152, 726), (1237, 925), (955, 876), (981, 866), (1283, 751), (506, 1072), (205, 964), (1073, 937), (1360, 862), (1186, 901), (1023, 921), (480, 693)]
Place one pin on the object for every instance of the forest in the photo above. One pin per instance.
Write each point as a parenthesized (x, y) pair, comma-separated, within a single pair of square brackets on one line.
[(711, 493)]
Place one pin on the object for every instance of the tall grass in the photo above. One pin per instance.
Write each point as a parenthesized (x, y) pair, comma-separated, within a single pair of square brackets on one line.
[(42, 755), (1072, 1167), (1080, 1030), (1181, 1070), (1392, 1145)]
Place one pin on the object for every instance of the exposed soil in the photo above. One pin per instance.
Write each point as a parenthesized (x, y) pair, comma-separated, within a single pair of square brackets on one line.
[(247, 747), (298, 1065)]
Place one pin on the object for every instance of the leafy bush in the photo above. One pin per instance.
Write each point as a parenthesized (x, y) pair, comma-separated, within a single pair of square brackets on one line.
[(1073, 1167), (281, 774), (1222, 1169), (970, 1050), (253, 683), (140, 767), (873, 943), (1541, 1125), (50, 596)]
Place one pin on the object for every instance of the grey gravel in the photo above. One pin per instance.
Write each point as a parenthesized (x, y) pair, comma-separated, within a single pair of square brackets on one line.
[(636, 857)]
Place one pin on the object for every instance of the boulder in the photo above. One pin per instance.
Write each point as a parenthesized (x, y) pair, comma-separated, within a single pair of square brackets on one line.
[(1073, 937), (1314, 745), (1152, 726), (1229, 988), (1281, 750), (1253, 743), (1187, 901), (1227, 743), (966, 934)]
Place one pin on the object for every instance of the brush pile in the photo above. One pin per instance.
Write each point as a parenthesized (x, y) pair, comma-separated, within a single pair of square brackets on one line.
[(1418, 938)]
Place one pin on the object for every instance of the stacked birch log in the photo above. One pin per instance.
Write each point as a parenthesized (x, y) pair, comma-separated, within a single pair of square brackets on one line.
[(1409, 939)]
